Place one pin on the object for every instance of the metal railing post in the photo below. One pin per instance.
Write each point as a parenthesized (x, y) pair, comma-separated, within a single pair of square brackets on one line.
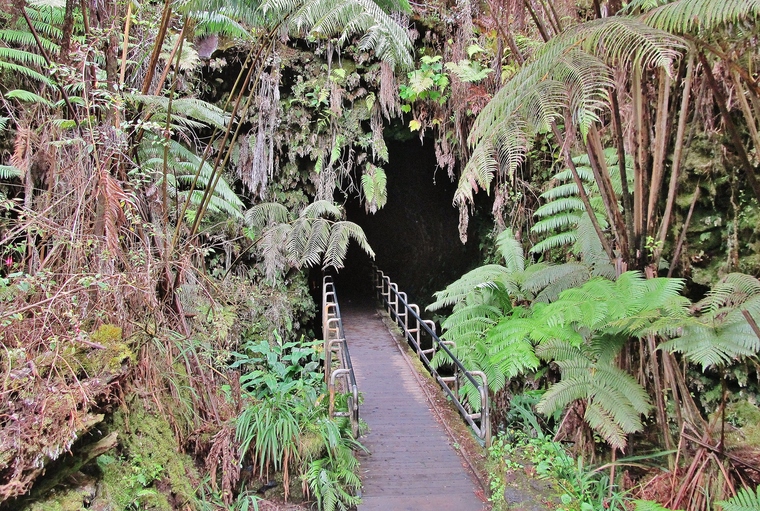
[(396, 304)]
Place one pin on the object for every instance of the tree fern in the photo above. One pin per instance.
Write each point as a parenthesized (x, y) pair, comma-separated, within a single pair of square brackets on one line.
[(614, 400), (187, 108), (315, 236), (721, 334), (570, 73), (744, 500), (345, 18), (560, 217), (183, 165), (684, 16)]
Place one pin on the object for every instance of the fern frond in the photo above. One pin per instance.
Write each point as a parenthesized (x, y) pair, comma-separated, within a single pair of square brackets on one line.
[(218, 22), (28, 97), (478, 174), (344, 18), (744, 500), (9, 172), (550, 242), (552, 280), (188, 107), (10, 67), (340, 235), (322, 208), (25, 38), (267, 214), (648, 505), (605, 424), (706, 15), (511, 250), (558, 205), (458, 290)]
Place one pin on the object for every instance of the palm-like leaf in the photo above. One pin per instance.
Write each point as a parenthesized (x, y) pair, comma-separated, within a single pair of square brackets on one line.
[(345, 18), (683, 16), (744, 500), (722, 334)]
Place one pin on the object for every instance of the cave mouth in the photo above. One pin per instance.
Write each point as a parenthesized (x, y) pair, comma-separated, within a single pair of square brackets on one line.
[(415, 236)]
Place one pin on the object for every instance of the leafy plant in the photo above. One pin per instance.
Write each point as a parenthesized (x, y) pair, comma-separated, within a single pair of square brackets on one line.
[(316, 235), (744, 500)]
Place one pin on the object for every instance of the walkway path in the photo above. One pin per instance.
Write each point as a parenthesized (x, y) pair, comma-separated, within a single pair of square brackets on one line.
[(412, 465)]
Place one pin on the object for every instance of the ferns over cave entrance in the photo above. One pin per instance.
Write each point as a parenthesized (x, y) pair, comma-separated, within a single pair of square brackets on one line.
[(415, 236)]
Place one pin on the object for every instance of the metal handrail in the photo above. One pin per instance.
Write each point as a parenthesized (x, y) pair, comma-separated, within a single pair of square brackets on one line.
[(398, 307), (336, 351)]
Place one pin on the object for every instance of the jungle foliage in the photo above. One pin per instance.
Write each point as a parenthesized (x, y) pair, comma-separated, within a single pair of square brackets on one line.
[(156, 230), (616, 141)]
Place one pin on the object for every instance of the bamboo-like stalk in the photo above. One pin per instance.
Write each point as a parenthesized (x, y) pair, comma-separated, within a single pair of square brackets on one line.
[(626, 192), (601, 174), (661, 134), (639, 160), (177, 47), (125, 44), (539, 24), (749, 117), (677, 157), (157, 45)]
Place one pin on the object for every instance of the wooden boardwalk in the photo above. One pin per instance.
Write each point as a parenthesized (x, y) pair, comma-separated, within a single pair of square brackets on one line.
[(412, 464)]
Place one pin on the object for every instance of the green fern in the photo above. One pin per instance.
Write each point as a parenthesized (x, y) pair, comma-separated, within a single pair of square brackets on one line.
[(721, 334), (648, 505), (560, 217), (9, 172), (684, 16), (183, 165), (184, 110), (374, 187), (744, 500), (569, 73), (315, 236)]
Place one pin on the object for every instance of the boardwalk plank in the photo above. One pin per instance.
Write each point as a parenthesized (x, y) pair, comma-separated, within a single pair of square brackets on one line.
[(412, 464)]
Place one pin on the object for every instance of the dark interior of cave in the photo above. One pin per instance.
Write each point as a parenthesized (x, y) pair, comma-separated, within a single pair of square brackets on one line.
[(415, 236)]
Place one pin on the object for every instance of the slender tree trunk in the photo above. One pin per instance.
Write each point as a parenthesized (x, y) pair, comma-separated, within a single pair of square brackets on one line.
[(604, 182), (157, 45), (626, 195), (662, 135), (539, 23), (677, 156), (66, 30)]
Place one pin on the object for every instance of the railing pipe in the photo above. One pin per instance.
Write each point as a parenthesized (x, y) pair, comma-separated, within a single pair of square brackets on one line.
[(396, 303), (335, 344)]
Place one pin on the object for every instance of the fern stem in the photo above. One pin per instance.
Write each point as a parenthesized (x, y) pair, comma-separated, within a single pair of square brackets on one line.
[(661, 133), (177, 47), (601, 173), (682, 237), (537, 21), (620, 144), (159, 43), (677, 157), (125, 45)]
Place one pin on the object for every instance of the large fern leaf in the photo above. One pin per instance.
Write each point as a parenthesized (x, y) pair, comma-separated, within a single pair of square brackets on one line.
[(744, 500)]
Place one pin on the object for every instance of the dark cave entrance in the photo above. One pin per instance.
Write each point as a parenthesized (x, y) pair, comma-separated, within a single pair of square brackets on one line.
[(415, 236)]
